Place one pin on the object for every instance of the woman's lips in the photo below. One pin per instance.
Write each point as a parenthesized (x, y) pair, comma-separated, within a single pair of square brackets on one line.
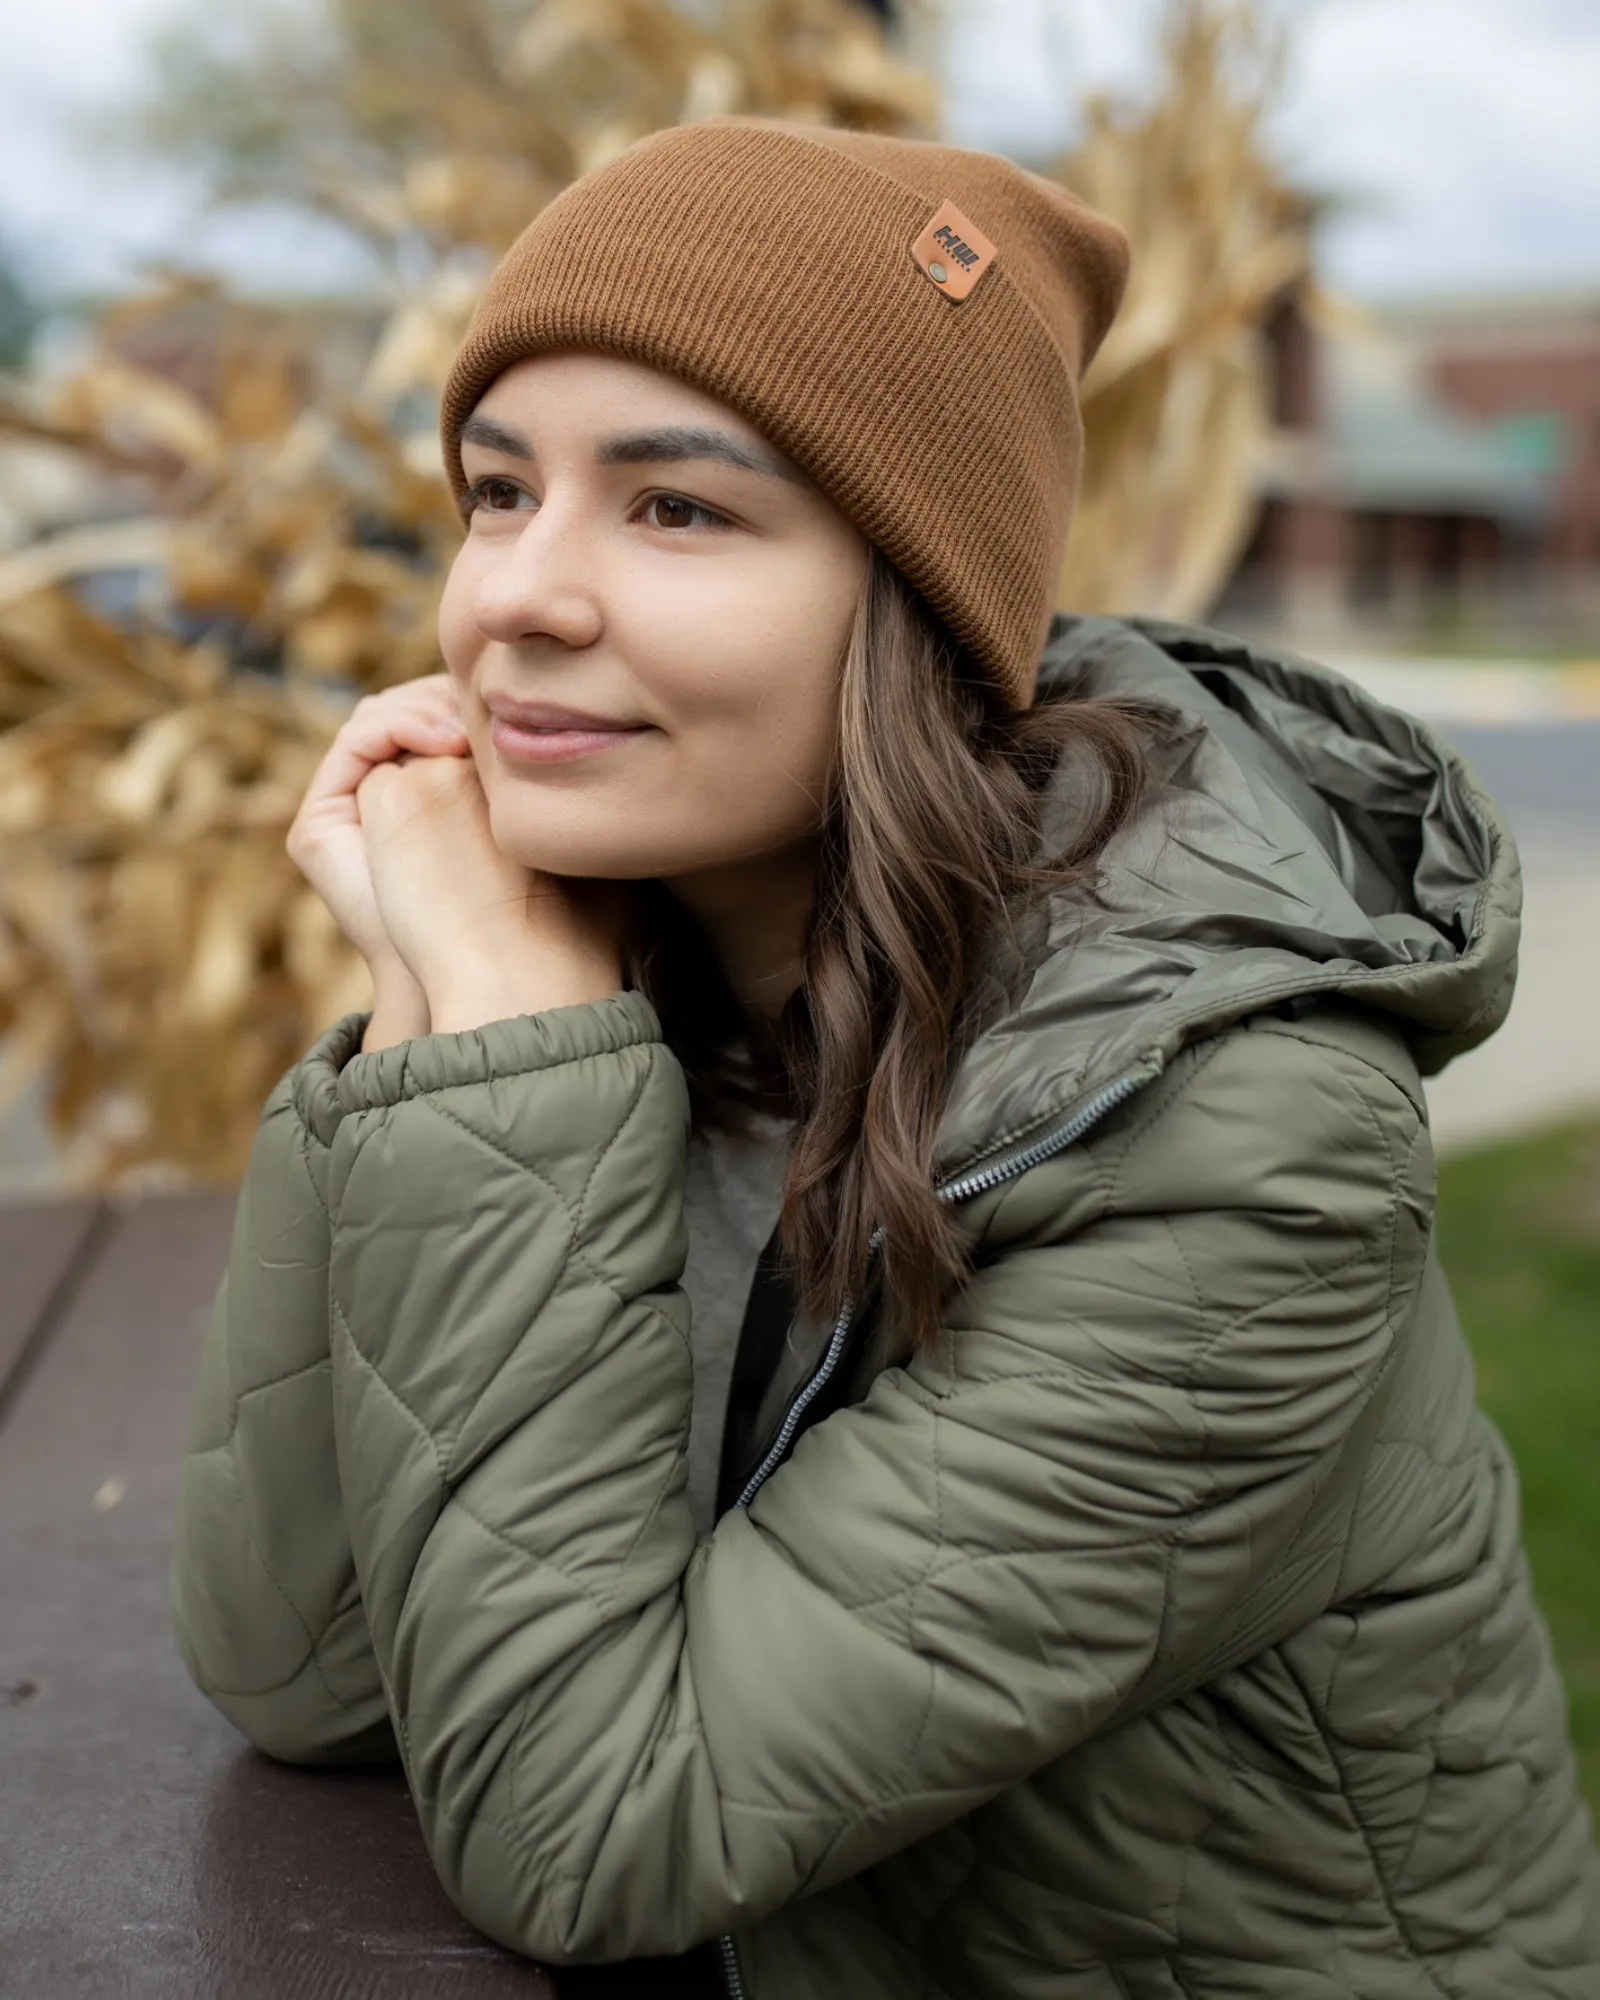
[(552, 746)]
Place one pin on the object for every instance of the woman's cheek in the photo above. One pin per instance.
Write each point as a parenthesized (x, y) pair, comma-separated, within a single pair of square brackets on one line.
[(459, 637)]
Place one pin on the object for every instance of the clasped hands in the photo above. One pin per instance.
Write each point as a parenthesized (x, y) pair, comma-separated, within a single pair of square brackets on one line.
[(394, 834)]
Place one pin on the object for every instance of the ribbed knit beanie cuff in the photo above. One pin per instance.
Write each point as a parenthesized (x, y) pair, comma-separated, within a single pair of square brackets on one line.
[(908, 322)]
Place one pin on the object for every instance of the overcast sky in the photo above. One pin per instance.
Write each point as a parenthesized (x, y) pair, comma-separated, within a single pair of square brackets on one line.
[(1466, 129)]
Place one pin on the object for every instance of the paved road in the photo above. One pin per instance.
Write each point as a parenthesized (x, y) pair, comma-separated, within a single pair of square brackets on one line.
[(1544, 1064), (1546, 779)]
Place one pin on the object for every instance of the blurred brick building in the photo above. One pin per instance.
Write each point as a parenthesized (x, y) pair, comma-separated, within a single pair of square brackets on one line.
[(1533, 363), (1433, 476)]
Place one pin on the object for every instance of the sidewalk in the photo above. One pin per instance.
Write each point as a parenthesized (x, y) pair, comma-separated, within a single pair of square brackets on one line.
[(1544, 1064), (1483, 693)]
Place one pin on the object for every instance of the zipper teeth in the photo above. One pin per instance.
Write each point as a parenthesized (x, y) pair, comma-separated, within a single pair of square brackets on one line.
[(1064, 1135), (732, 1976), (824, 1369), (956, 1190)]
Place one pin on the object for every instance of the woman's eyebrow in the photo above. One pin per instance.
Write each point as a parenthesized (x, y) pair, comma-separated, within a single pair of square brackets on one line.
[(670, 445), (495, 437), (683, 441)]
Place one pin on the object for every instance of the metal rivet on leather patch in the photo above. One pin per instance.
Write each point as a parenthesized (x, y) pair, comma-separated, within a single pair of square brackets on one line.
[(953, 252)]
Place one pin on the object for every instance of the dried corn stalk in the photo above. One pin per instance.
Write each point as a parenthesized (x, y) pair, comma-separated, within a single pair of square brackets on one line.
[(1175, 404)]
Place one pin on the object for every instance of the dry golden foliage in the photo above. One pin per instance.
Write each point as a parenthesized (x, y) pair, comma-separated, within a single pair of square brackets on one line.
[(161, 960), (1175, 402)]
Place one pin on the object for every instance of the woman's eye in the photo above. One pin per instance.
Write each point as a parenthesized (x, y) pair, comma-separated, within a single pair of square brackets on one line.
[(671, 510), (496, 496)]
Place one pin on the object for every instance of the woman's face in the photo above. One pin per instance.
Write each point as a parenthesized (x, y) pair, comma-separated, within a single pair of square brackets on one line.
[(638, 552)]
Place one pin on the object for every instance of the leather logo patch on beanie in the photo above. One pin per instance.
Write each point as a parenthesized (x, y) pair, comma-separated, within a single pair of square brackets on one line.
[(953, 252)]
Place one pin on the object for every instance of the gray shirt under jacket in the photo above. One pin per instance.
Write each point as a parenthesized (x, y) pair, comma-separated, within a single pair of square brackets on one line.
[(733, 1195)]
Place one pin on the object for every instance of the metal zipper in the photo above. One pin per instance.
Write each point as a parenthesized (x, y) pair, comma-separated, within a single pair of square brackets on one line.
[(959, 1189), (984, 1178), (733, 1978), (824, 1368)]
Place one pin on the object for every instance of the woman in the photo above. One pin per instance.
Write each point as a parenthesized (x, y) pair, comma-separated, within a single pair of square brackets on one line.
[(1105, 1586)]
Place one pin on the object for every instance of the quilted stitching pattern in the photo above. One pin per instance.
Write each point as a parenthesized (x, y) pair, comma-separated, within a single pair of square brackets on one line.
[(266, 1604), (619, 1741)]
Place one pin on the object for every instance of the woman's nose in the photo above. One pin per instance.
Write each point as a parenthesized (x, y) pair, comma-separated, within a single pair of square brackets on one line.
[(542, 587)]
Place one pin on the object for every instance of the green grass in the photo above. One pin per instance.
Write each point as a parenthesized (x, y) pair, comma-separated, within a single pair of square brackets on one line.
[(1519, 1229)]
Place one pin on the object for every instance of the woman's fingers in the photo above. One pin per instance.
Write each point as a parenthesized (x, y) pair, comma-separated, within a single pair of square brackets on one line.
[(414, 717), (417, 719)]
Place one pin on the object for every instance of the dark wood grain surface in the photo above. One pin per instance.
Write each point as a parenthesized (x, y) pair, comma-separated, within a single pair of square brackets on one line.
[(45, 1248), (145, 1849)]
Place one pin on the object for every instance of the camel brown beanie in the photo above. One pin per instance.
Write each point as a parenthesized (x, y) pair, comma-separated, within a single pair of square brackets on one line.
[(908, 322)]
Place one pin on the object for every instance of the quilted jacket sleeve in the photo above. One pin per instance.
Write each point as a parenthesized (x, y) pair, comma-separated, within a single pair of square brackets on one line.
[(622, 1739), (264, 1595)]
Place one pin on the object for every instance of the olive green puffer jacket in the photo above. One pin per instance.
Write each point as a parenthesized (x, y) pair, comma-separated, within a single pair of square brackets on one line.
[(1164, 1635)]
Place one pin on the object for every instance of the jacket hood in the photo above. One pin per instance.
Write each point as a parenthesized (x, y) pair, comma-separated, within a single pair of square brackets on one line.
[(1301, 840)]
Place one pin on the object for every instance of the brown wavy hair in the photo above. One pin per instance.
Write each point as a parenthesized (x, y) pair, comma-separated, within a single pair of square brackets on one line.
[(927, 860)]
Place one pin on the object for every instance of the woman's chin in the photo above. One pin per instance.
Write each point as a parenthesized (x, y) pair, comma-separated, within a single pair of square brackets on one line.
[(615, 841), (560, 850)]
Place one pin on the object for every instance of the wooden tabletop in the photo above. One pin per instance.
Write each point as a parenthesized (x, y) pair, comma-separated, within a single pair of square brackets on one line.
[(145, 1848)]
